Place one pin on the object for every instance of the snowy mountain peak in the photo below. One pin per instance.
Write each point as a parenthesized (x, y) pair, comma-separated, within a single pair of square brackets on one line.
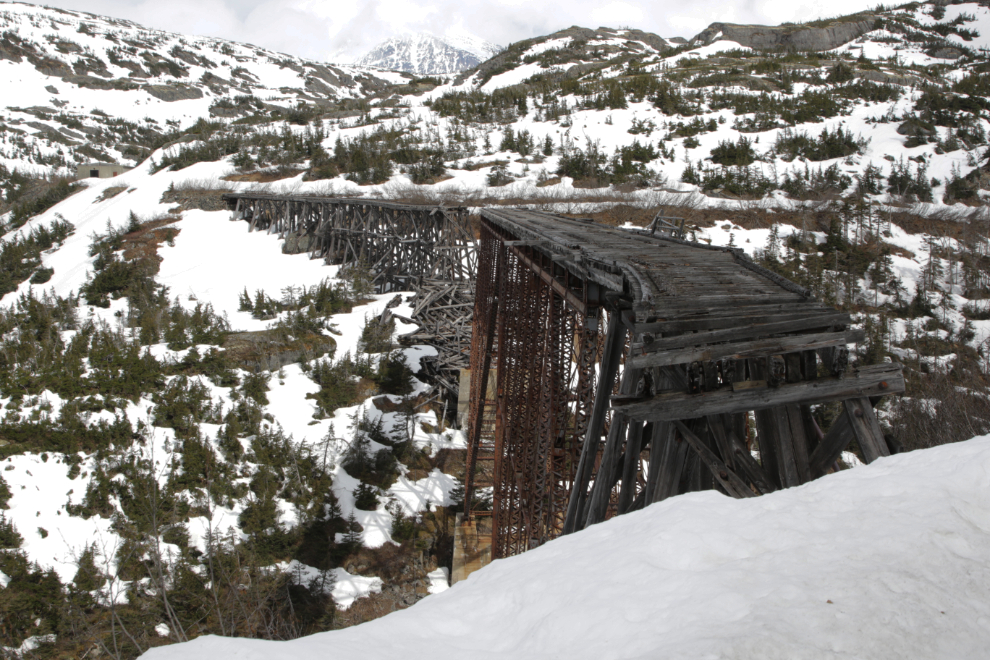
[(424, 53)]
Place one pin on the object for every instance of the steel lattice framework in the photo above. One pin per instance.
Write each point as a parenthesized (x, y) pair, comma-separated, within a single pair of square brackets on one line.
[(529, 424)]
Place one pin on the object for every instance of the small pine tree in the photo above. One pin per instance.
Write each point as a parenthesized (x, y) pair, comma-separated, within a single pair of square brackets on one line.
[(88, 575), (366, 497), (10, 538), (353, 538)]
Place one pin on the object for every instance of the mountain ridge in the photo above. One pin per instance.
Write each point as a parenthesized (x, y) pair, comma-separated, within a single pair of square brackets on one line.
[(424, 53)]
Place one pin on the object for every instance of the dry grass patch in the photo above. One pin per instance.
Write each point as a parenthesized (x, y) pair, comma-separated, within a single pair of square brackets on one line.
[(264, 176), (110, 193)]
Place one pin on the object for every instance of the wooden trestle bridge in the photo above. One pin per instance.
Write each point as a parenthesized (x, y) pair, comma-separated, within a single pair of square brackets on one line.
[(609, 369), (425, 249)]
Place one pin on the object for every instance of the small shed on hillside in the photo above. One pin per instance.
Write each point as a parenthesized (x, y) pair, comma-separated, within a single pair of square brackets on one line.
[(100, 170)]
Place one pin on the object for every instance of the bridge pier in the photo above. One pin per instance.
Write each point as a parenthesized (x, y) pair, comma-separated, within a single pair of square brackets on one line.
[(472, 548)]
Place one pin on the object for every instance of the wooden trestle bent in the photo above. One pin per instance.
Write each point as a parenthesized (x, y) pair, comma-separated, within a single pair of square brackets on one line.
[(425, 249), (703, 353)]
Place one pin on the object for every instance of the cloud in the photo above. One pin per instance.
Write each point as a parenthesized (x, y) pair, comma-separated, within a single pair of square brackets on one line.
[(334, 29)]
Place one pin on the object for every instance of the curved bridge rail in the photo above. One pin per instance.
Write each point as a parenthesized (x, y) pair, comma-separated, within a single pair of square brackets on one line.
[(612, 369)]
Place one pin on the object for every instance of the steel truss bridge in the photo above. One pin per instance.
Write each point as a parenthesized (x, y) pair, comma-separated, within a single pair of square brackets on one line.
[(609, 369)]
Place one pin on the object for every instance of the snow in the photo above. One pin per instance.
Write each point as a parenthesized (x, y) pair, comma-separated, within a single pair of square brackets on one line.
[(512, 77), (720, 46), (544, 46), (347, 587), (424, 53), (351, 587), (439, 580), (887, 561), (193, 272), (981, 24), (420, 495)]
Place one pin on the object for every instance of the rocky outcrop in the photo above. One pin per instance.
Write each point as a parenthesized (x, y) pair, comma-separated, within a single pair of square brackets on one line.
[(889, 78), (269, 349), (92, 82), (176, 92), (299, 242), (916, 128), (811, 37)]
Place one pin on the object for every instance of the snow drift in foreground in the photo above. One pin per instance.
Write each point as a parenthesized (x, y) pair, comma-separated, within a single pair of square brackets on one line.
[(891, 560)]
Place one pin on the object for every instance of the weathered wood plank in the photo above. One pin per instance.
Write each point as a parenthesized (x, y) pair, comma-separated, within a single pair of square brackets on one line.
[(728, 479), (630, 466), (740, 331), (614, 344), (746, 349), (875, 380), (831, 447), (864, 425)]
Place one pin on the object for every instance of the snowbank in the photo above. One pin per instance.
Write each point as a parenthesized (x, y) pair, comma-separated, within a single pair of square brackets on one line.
[(891, 560)]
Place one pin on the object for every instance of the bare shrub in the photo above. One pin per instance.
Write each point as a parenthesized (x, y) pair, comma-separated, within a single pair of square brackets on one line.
[(939, 411)]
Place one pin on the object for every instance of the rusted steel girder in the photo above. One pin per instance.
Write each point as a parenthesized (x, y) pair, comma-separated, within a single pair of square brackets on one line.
[(543, 348)]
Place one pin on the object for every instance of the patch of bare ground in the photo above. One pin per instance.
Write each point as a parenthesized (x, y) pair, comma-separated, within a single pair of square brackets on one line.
[(264, 176), (201, 194), (272, 349), (109, 193), (142, 243), (402, 568)]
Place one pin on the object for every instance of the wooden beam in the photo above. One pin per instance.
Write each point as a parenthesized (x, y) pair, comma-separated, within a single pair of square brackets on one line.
[(740, 330), (615, 340), (864, 425), (602, 488), (729, 480), (746, 349), (832, 445), (630, 466), (875, 380)]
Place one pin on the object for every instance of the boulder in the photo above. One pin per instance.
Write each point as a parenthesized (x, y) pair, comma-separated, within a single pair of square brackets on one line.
[(915, 127), (299, 242), (947, 53)]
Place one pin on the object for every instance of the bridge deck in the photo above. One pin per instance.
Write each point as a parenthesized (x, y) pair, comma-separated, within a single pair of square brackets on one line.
[(665, 277)]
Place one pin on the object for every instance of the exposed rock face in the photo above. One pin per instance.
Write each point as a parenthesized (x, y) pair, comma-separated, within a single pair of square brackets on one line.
[(578, 57), (177, 92), (948, 53), (793, 37), (269, 350), (299, 242), (914, 127)]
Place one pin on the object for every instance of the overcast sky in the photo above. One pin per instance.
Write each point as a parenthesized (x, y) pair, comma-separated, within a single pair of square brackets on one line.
[(342, 30)]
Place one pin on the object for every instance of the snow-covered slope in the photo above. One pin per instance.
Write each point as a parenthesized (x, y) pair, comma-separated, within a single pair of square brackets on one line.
[(424, 53), (887, 561), (68, 75)]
